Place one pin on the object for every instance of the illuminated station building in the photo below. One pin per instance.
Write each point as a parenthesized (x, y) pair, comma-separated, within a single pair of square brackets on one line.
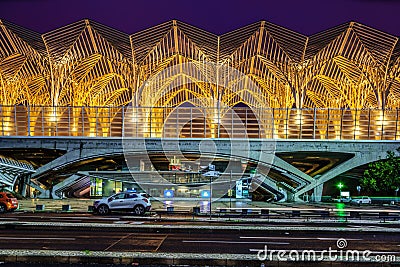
[(86, 81)]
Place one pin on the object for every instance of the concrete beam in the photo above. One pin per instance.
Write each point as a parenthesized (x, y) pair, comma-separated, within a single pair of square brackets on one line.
[(360, 158), (256, 150), (302, 177), (318, 193)]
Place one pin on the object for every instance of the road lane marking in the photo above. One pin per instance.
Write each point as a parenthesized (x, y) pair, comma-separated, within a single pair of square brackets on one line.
[(335, 239), (385, 252), (84, 218), (321, 251), (365, 226), (297, 238), (71, 217), (68, 220), (116, 242), (36, 238), (276, 237), (234, 242), (159, 245)]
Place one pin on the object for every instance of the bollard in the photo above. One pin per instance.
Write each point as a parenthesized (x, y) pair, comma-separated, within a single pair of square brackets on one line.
[(170, 209), (295, 213), (324, 213), (196, 210), (39, 207), (383, 215), (222, 212), (66, 207), (264, 211), (354, 214)]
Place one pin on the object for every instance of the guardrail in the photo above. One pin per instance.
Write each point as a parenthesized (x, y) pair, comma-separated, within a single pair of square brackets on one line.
[(199, 122), (308, 213), (266, 213), (284, 213)]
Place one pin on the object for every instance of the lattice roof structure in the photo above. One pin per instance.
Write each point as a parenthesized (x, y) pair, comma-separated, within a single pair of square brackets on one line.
[(88, 71), (89, 64)]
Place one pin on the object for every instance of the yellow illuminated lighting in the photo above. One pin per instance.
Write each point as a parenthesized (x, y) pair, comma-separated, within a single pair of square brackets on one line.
[(299, 118), (53, 117), (357, 131), (6, 128), (381, 120), (95, 71), (285, 131)]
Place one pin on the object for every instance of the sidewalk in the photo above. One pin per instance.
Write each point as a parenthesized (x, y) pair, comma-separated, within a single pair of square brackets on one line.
[(54, 205), (81, 205), (183, 211)]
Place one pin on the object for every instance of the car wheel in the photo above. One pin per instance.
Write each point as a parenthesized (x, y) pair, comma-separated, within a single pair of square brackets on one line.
[(2, 208), (103, 210), (139, 210)]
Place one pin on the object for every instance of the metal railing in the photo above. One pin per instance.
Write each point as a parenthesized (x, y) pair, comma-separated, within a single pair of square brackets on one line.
[(194, 122)]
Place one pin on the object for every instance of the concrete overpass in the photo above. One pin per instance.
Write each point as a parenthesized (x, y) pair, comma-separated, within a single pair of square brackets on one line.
[(266, 153)]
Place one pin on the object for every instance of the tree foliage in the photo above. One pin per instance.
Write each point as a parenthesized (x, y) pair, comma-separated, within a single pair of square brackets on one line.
[(383, 175)]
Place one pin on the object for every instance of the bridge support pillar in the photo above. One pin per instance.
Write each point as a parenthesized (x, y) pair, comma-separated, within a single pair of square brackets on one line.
[(24, 185), (45, 194), (318, 193)]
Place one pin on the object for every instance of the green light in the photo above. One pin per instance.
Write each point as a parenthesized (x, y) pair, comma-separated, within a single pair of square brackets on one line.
[(340, 185)]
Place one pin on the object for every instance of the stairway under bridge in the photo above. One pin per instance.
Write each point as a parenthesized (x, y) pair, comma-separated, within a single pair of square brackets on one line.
[(11, 169), (296, 167)]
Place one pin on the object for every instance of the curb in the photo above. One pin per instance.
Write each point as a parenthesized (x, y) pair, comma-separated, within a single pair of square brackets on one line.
[(155, 259), (182, 228)]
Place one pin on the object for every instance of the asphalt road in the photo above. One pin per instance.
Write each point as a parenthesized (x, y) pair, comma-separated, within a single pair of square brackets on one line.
[(128, 218), (230, 242), (124, 233)]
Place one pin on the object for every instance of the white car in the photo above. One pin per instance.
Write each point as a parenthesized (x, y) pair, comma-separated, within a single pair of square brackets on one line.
[(124, 201), (361, 200)]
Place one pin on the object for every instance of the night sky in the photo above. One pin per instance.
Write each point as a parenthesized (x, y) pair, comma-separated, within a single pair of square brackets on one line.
[(304, 16)]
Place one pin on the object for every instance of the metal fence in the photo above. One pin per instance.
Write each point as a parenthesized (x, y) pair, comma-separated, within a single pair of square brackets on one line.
[(194, 122)]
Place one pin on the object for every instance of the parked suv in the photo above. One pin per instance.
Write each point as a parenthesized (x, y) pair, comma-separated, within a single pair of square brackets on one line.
[(361, 200), (124, 201), (7, 202)]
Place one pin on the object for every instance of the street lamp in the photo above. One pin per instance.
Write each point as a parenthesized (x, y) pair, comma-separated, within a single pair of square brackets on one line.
[(210, 194), (211, 173), (230, 190)]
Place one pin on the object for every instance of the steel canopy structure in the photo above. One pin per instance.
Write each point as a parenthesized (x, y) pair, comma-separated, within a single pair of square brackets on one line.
[(343, 83), (262, 82)]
